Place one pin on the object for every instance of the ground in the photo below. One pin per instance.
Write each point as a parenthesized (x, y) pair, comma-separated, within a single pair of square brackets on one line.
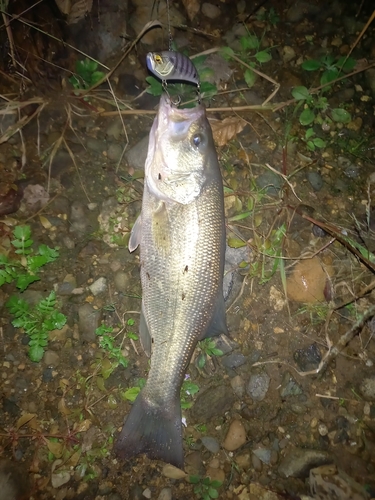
[(285, 407)]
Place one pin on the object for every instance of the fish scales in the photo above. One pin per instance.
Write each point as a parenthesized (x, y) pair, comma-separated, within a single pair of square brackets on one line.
[(181, 232)]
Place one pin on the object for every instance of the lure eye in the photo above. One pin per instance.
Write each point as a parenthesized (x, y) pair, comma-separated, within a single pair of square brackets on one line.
[(157, 58)]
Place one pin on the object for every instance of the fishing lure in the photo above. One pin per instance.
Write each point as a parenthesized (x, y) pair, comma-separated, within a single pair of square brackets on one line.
[(171, 65)]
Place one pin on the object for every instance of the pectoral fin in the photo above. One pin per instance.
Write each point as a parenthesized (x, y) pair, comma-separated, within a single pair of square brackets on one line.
[(144, 334), (218, 323), (135, 235)]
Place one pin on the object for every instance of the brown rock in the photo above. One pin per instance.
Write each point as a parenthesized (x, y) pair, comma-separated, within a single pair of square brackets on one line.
[(236, 436)]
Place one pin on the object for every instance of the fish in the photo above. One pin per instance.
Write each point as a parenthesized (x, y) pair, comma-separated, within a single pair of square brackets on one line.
[(181, 234), (172, 65)]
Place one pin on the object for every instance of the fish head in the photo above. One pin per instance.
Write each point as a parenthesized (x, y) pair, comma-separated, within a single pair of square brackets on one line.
[(180, 154)]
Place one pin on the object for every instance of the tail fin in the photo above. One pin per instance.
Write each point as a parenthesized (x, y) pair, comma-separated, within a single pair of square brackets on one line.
[(153, 430)]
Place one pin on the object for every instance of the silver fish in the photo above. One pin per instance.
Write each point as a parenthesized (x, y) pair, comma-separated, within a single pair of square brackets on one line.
[(181, 233), (171, 65)]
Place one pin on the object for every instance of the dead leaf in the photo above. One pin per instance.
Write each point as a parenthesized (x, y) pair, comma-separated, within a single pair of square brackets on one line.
[(82, 426), (64, 6), (79, 10), (25, 419), (225, 130), (45, 222), (74, 459), (62, 407), (55, 448), (192, 8)]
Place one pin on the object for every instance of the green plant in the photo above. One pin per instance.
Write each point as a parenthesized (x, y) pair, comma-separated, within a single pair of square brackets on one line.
[(205, 488), (188, 389), (37, 321), (132, 392), (313, 142), (87, 74), (251, 53), (330, 67), (270, 16), (208, 349), (13, 269), (107, 342)]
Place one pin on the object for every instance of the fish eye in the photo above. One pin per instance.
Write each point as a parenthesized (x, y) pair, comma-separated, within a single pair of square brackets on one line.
[(197, 140), (157, 58)]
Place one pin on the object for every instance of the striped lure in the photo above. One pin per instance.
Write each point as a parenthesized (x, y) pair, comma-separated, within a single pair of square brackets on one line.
[(171, 65)]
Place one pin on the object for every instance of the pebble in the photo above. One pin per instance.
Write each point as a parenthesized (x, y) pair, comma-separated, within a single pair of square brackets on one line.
[(173, 472), (95, 145), (99, 286), (289, 386), (308, 358), (298, 462), (307, 282), (136, 156), (238, 385), (51, 358), (115, 151), (215, 474), (210, 10), (264, 455), (367, 388), (122, 281), (288, 54), (258, 386), (165, 494), (89, 320), (322, 429), (257, 464), (243, 460), (236, 436), (211, 444), (315, 180), (147, 493)]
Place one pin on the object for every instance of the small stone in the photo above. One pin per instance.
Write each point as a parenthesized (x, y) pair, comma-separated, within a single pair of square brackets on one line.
[(236, 436), (257, 464), (238, 385), (89, 320), (288, 54), (173, 472), (315, 180), (210, 10), (122, 281), (215, 474), (114, 151), (314, 422), (367, 388), (298, 462), (136, 156), (99, 286), (263, 454), (147, 493), (165, 494), (289, 386), (322, 429), (211, 444), (51, 358), (258, 386), (212, 402)]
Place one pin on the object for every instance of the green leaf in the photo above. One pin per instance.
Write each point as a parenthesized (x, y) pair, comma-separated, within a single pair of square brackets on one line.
[(226, 52), (216, 484), (36, 353), (263, 56), (319, 143), (132, 335), (132, 393), (300, 93), (201, 361), (236, 243), (198, 61), (22, 232), (51, 254), (155, 87), (35, 262), (103, 329), (309, 133), (213, 493), (208, 89), (250, 77), (349, 64), (306, 117), (217, 352), (24, 280), (340, 115), (194, 479), (329, 75), (96, 77), (311, 65), (249, 42)]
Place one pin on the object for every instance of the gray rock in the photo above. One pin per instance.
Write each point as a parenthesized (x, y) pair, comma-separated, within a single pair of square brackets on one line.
[(289, 386), (238, 385), (315, 180), (122, 281), (88, 321), (258, 386), (234, 360), (210, 10), (114, 129), (165, 494), (269, 181), (211, 444), (115, 151), (367, 388), (99, 286), (264, 455), (212, 402), (298, 462), (51, 358), (136, 156), (308, 358)]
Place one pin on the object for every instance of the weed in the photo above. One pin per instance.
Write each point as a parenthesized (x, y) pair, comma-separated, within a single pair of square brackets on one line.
[(271, 246), (208, 349), (37, 321), (188, 389), (205, 488), (86, 75), (131, 393), (13, 269), (270, 16), (107, 343), (330, 67)]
